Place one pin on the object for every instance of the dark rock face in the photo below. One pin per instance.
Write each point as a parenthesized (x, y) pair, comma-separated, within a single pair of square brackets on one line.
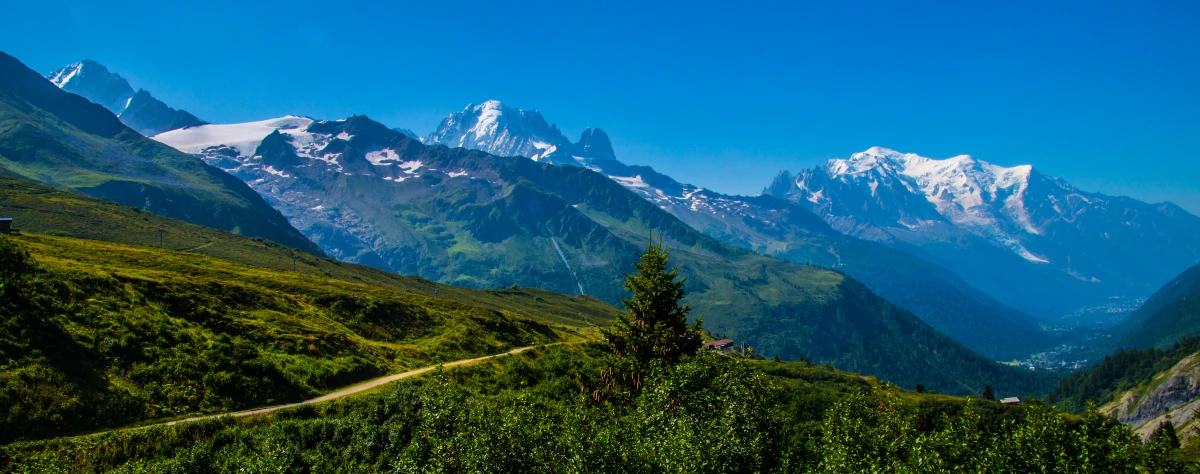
[(595, 146), (150, 116), (1176, 391)]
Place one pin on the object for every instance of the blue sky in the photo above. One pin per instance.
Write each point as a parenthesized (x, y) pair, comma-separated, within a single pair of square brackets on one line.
[(1102, 94)]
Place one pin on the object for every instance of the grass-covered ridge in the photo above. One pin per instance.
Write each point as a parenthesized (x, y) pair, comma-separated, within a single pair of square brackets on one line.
[(102, 335), (39, 209)]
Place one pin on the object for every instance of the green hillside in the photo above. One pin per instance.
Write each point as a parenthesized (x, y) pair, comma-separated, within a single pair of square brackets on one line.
[(1170, 314), (100, 335), (62, 139)]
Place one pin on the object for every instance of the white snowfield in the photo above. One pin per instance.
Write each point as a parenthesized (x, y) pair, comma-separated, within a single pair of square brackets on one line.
[(244, 137)]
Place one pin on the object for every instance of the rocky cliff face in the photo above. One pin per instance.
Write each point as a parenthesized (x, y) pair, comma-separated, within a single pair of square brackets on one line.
[(1169, 396)]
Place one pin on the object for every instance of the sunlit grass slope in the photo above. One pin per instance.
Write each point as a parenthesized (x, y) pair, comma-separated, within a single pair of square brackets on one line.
[(99, 334)]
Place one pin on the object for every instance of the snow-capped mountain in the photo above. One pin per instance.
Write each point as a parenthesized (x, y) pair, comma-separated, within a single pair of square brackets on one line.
[(502, 131), (136, 109), (1012, 231)]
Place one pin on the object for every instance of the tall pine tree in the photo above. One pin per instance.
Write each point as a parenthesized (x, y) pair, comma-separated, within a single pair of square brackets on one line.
[(656, 326)]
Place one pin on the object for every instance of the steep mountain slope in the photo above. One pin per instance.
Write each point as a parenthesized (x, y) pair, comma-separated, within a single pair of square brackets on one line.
[(1172, 313), (765, 224), (1170, 396), (138, 110), (1033, 241), (372, 195), (59, 138)]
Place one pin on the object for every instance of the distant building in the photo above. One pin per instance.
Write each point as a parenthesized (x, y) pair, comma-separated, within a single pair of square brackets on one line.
[(1010, 401), (5, 225), (719, 345)]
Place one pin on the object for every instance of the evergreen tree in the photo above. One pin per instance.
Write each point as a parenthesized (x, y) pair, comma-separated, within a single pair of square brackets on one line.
[(988, 394), (1162, 450), (14, 261), (656, 327), (1164, 436)]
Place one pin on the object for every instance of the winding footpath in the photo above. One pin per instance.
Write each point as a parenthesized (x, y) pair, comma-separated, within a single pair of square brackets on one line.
[(345, 392)]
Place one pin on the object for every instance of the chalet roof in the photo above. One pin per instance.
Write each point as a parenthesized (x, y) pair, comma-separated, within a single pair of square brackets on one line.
[(1010, 401), (719, 344)]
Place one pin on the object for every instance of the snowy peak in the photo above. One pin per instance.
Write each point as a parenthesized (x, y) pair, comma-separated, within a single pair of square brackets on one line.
[(501, 130), (887, 188), (911, 164), (95, 82)]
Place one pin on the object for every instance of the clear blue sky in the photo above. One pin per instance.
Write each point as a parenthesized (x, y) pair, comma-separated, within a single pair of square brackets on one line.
[(1102, 94)]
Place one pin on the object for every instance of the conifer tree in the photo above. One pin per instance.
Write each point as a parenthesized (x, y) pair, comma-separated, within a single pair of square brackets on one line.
[(656, 326), (1164, 437), (988, 394)]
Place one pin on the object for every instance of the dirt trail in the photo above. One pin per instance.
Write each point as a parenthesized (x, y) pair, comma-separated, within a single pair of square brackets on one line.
[(345, 392)]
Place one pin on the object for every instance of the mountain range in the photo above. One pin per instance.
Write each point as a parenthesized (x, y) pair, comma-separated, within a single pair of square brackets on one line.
[(764, 224), (509, 200), (369, 194), (1030, 240)]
